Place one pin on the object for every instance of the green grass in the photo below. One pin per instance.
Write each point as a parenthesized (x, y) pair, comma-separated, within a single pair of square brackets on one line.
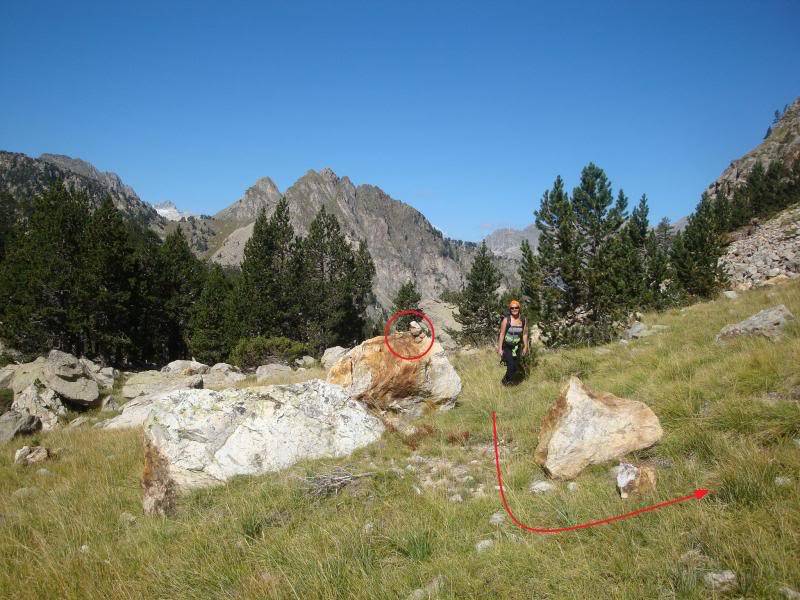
[(263, 537)]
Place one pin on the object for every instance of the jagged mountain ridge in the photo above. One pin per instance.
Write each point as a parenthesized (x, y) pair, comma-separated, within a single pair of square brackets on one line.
[(24, 178), (506, 241), (782, 144), (403, 243)]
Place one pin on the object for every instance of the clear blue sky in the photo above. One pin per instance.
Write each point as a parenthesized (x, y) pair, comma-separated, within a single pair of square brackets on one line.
[(466, 110)]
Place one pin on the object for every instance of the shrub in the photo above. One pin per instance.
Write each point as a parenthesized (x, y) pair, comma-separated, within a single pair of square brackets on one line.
[(256, 351)]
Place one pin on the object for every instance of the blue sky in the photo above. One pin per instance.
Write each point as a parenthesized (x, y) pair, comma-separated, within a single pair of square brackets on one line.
[(465, 110)]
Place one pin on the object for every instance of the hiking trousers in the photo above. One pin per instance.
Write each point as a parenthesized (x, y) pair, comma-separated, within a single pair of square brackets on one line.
[(512, 364)]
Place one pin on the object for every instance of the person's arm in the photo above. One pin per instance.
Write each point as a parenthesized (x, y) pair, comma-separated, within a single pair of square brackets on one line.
[(503, 324), (525, 338)]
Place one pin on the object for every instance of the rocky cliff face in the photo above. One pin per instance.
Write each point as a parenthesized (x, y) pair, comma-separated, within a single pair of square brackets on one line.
[(402, 242), (24, 177), (505, 242), (782, 144)]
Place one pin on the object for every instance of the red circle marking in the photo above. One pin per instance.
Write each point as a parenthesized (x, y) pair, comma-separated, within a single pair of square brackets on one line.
[(403, 313)]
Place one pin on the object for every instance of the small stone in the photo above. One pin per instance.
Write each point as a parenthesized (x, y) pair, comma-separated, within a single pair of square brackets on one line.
[(572, 486), (29, 455), (431, 589), (796, 442), (127, 518), (25, 492), (497, 518), (84, 549), (789, 593), (43, 472), (367, 528), (541, 487), (693, 558), (730, 294), (484, 545), (633, 480), (456, 498), (781, 481), (417, 491), (720, 581)]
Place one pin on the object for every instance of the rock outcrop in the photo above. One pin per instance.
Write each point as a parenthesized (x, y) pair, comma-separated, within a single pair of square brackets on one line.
[(372, 374), (145, 383), (197, 438), (41, 402), (764, 252), (61, 372), (768, 323), (584, 427)]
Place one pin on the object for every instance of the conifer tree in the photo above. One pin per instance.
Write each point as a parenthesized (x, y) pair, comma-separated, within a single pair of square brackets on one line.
[(530, 275), (104, 292), (38, 278), (479, 310), (406, 298), (209, 340), (181, 281), (697, 249)]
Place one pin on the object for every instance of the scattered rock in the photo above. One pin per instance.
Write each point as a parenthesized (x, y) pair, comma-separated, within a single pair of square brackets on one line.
[(497, 518), (584, 427), (41, 402), (267, 371), (29, 455), (720, 581), (572, 486), (196, 438), (768, 323), (602, 350), (134, 414), (43, 472), (730, 294), (331, 356), (633, 480), (185, 367), (368, 527), (484, 545), (781, 481), (789, 593), (221, 375), (541, 487), (66, 375), (84, 549), (456, 498), (371, 374), (13, 423), (104, 376), (305, 361), (127, 518), (25, 492), (145, 383), (635, 331), (694, 558), (431, 589)]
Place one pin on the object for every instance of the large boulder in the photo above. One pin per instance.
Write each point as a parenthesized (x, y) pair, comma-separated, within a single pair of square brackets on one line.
[(145, 383), (584, 428), (372, 374), (185, 367), (7, 375), (40, 402), (331, 356), (768, 323), (62, 373), (196, 438), (134, 413), (104, 376), (223, 375), (13, 423), (265, 372)]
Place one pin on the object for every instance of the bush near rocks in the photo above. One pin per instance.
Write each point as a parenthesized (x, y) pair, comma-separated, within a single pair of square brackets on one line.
[(249, 353)]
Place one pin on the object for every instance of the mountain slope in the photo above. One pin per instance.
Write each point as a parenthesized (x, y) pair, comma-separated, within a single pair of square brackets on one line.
[(402, 242), (506, 242), (782, 144), (24, 177)]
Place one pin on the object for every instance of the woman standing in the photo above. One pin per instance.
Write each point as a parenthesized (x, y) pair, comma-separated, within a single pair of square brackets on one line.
[(513, 338)]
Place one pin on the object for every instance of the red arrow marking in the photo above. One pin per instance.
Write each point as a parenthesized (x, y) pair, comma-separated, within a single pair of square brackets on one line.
[(698, 494)]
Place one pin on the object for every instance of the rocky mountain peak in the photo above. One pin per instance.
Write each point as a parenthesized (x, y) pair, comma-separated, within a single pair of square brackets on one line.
[(262, 194), (328, 175), (782, 144)]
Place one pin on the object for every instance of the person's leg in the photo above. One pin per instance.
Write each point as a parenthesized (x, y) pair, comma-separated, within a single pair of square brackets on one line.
[(511, 366)]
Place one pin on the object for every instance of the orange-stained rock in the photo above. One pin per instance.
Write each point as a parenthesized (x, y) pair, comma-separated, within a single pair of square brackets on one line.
[(372, 374)]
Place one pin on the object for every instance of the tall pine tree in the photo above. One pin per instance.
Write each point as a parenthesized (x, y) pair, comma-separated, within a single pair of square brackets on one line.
[(406, 298), (209, 339), (479, 310)]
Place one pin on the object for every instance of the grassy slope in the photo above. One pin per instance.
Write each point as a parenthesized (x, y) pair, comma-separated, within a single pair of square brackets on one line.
[(263, 537)]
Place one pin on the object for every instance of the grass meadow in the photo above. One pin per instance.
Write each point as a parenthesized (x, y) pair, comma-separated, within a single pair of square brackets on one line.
[(731, 417)]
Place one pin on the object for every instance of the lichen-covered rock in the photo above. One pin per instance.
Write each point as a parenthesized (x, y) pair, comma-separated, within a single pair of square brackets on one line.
[(13, 423), (30, 455), (145, 383), (331, 356), (634, 481), (62, 373), (197, 438), (372, 374), (768, 323), (223, 375), (185, 367), (584, 427), (41, 402), (265, 372)]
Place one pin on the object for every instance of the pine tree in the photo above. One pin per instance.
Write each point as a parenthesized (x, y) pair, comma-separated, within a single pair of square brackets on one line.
[(406, 298), (105, 286), (209, 339), (181, 283), (697, 249), (530, 275), (38, 278), (479, 310), (8, 218)]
